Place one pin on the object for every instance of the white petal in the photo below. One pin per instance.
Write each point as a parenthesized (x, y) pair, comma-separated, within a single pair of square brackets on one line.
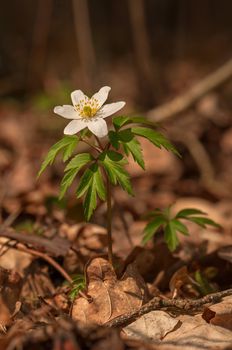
[(109, 109), (101, 95), (98, 127), (74, 126), (78, 95), (66, 111)]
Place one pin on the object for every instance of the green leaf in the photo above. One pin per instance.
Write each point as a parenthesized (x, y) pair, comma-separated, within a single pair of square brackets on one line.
[(85, 180), (153, 213), (100, 187), (114, 139), (79, 161), (68, 150), (152, 228), (178, 226), (92, 184), (67, 181), (203, 284), (90, 202), (72, 169), (130, 144), (120, 121), (170, 236), (67, 144), (189, 211), (155, 137), (202, 221), (113, 163), (79, 283)]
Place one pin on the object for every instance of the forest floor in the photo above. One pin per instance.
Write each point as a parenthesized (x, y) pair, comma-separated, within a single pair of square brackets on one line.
[(166, 300)]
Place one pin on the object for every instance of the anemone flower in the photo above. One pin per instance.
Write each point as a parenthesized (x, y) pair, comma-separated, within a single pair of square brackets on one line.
[(88, 112)]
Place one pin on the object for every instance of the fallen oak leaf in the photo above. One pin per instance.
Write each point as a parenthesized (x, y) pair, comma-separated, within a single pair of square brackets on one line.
[(222, 313), (110, 297), (195, 333), (151, 326)]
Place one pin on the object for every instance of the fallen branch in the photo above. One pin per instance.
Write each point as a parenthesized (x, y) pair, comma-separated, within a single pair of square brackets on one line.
[(181, 103), (47, 258), (57, 246), (158, 303), (50, 261)]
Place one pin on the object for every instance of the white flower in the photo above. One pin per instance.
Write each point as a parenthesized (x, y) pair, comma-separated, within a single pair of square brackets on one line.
[(88, 112)]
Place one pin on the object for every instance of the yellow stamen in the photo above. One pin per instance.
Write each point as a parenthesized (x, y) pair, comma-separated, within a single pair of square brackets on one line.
[(87, 108), (87, 111)]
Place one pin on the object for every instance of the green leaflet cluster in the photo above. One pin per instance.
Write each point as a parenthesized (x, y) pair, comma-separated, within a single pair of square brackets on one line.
[(109, 161), (79, 283), (173, 225)]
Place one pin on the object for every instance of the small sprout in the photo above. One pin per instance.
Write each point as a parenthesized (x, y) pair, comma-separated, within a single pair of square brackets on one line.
[(203, 284), (173, 225), (79, 283)]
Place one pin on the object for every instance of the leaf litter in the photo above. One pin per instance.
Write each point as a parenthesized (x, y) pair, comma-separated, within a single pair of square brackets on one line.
[(35, 308)]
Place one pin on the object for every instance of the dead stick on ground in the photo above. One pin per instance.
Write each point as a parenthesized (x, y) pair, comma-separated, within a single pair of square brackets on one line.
[(158, 303), (52, 262), (47, 258), (181, 103)]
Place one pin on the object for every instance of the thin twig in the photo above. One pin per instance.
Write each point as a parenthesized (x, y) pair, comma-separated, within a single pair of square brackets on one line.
[(47, 258), (158, 303), (52, 262), (55, 247), (186, 100)]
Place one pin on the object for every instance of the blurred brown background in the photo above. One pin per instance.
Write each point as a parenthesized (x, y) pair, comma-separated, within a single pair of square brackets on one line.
[(147, 50)]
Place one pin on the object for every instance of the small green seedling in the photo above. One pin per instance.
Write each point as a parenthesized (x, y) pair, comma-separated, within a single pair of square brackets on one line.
[(79, 283), (104, 166), (171, 225)]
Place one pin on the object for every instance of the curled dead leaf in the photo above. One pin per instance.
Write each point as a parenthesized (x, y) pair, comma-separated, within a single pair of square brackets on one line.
[(111, 297)]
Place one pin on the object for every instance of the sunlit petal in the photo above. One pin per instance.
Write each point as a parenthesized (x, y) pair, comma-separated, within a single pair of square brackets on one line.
[(74, 126), (110, 109), (101, 95), (66, 111), (78, 96), (98, 127)]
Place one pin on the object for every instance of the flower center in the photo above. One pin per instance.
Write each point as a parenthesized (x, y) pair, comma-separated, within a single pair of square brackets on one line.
[(87, 108), (88, 111)]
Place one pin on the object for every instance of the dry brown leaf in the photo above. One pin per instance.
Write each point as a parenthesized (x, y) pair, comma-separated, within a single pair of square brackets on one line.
[(11, 284), (111, 297), (13, 259), (195, 333), (181, 284), (223, 310), (151, 326)]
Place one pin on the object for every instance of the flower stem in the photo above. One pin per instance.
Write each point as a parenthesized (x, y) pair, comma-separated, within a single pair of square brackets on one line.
[(109, 210), (92, 146), (109, 221), (99, 143)]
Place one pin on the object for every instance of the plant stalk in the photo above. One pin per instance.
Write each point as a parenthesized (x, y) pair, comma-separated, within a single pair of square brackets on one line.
[(109, 221), (109, 210)]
